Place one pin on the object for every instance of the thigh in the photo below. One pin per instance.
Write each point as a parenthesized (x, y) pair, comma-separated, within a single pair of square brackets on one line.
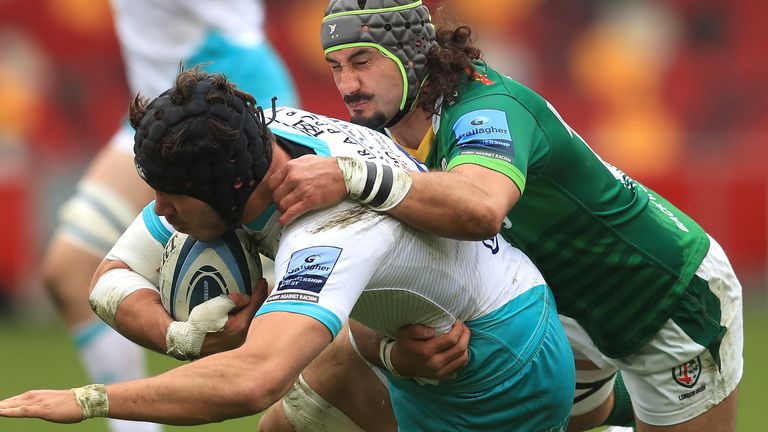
[(691, 368), (347, 382)]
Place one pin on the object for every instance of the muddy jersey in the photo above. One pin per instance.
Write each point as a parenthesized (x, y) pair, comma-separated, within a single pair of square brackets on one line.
[(349, 261), (616, 254)]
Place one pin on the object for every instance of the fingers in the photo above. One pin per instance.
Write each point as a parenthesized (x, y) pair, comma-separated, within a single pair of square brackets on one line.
[(292, 212), (258, 296), (415, 332), (241, 300), (277, 178), (450, 339)]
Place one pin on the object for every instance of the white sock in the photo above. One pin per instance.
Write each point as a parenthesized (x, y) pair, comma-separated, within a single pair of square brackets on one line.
[(109, 357)]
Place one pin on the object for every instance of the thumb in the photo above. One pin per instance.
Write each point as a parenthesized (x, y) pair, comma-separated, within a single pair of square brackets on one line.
[(211, 315)]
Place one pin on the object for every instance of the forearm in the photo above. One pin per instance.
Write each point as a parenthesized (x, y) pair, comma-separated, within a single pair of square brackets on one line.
[(235, 383), (208, 390), (130, 304), (142, 318), (450, 204)]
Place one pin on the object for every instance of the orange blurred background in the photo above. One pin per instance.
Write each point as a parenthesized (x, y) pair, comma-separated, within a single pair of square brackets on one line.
[(674, 92)]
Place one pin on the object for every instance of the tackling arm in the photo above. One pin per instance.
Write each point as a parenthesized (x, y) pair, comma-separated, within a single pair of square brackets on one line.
[(467, 203), (231, 384)]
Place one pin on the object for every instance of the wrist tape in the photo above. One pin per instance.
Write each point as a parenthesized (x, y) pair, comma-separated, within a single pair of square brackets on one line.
[(380, 187), (184, 339), (92, 400), (385, 354)]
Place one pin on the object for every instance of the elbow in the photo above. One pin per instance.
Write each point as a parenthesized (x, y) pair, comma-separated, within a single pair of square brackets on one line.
[(486, 221), (259, 393)]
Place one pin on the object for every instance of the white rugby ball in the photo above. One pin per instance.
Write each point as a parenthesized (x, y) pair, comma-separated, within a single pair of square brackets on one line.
[(193, 271)]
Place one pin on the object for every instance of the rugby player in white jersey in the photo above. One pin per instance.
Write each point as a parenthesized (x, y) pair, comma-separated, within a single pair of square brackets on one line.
[(156, 36), (205, 150)]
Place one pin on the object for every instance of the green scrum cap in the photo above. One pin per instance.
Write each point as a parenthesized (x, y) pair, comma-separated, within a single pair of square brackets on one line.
[(401, 29)]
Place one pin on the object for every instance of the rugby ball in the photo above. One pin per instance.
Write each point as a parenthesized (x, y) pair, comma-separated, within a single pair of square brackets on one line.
[(193, 271)]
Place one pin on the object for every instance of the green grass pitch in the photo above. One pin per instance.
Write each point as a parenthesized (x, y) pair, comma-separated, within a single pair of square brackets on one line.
[(33, 357)]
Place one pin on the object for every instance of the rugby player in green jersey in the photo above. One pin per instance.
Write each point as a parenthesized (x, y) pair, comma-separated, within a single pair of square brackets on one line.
[(641, 287)]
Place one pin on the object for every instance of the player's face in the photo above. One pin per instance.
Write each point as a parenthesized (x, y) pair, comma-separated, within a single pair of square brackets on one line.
[(370, 84), (190, 215)]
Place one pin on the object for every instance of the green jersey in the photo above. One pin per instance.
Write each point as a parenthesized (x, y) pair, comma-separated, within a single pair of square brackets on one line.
[(617, 256)]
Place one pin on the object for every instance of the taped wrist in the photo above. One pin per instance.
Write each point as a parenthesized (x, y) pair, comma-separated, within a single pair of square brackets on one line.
[(184, 339), (380, 187), (93, 400), (385, 354)]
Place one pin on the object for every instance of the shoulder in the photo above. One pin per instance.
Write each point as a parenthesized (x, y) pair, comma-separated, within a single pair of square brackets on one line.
[(328, 136), (347, 225)]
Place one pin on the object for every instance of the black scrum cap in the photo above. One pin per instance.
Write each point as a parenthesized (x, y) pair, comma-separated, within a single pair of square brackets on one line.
[(177, 151)]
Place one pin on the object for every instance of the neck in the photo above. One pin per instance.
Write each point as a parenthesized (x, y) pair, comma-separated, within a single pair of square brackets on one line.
[(261, 198), (410, 130)]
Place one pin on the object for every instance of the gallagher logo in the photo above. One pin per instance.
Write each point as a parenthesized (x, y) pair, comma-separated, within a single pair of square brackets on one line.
[(687, 374), (477, 121)]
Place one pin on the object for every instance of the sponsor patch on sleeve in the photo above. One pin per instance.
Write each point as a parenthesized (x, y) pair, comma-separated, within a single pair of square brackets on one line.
[(484, 128), (309, 269)]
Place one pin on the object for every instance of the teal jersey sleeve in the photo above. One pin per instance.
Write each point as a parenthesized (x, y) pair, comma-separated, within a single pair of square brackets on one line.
[(155, 225), (325, 316)]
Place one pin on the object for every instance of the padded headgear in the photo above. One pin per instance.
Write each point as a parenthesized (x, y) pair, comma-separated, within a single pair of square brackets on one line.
[(221, 171), (401, 29)]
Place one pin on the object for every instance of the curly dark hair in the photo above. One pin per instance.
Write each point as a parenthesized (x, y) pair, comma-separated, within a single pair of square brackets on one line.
[(180, 95), (448, 63)]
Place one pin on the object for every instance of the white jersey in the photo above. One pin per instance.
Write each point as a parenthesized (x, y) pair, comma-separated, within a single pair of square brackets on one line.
[(349, 261), (222, 36), (156, 35)]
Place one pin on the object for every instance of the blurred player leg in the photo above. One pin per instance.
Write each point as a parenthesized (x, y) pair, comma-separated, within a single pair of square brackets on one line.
[(107, 199)]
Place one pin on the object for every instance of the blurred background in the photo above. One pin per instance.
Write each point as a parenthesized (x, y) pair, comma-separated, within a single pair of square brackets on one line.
[(674, 92)]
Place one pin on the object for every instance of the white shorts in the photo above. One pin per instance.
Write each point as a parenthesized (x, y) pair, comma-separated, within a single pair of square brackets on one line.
[(672, 378)]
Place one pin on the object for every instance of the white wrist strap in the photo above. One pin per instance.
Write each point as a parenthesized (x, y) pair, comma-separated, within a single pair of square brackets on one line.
[(184, 339), (380, 187), (385, 354), (112, 288), (92, 400)]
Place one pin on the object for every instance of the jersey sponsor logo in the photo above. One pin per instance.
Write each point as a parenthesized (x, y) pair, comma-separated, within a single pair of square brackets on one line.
[(486, 127), (292, 296), (485, 153), (688, 373), (309, 269)]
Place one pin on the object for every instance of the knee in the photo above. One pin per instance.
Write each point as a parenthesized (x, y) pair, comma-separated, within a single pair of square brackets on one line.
[(273, 420)]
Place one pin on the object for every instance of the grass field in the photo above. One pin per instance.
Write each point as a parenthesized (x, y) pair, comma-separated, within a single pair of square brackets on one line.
[(42, 356)]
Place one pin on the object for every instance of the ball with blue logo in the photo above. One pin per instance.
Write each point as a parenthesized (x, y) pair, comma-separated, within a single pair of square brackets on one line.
[(193, 271)]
